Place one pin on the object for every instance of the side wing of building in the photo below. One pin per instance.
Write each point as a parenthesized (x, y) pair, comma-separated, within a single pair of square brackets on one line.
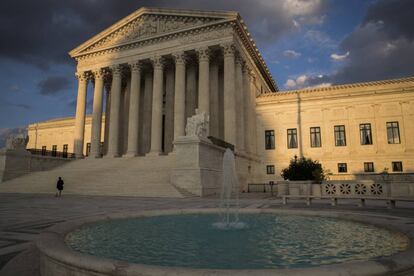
[(352, 130)]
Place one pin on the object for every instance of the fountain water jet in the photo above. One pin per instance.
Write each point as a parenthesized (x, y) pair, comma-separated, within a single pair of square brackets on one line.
[(229, 207)]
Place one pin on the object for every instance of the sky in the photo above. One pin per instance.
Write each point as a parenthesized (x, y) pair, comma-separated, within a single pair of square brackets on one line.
[(305, 43)]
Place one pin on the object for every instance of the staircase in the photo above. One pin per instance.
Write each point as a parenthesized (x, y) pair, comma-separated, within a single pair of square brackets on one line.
[(140, 176)]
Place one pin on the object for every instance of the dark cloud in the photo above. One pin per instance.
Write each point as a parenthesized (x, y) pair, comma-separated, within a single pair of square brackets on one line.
[(382, 47), (53, 85), (41, 32)]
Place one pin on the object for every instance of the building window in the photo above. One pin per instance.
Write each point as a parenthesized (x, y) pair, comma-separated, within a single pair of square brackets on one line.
[(393, 133), (397, 166), (43, 150), (368, 167), (365, 134), (292, 138), (54, 150), (342, 168), (88, 149), (65, 151), (340, 137), (315, 137), (270, 169), (269, 139)]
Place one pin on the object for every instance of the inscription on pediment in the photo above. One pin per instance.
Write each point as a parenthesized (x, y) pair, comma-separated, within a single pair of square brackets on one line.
[(147, 26)]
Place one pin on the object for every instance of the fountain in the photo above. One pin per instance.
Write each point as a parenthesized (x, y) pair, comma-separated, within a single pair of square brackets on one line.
[(229, 208)]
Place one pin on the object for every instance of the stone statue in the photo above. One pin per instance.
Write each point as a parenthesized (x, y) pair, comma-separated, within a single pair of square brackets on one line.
[(17, 142), (197, 125)]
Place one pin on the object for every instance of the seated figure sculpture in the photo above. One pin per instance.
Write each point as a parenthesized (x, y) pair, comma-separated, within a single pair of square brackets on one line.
[(17, 142), (197, 125)]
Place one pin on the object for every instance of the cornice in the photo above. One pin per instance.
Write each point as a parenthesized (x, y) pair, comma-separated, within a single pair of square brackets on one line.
[(224, 20), (61, 122), (344, 90)]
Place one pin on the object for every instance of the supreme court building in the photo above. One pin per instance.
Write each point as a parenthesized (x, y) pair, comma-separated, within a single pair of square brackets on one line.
[(156, 68)]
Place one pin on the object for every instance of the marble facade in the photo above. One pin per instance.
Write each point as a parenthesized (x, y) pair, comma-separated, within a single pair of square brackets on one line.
[(151, 71)]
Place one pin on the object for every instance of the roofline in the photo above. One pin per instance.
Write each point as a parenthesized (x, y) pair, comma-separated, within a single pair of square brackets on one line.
[(229, 15), (348, 86), (147, 10)]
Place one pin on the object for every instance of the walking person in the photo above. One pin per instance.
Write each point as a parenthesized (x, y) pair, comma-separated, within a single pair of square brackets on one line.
[(59, 186)]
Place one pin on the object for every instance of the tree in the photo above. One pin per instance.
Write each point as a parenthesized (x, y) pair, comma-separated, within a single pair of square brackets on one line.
[(303, 169)]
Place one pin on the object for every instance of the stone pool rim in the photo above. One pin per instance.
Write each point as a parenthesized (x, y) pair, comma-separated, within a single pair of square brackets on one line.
[(57, 258)]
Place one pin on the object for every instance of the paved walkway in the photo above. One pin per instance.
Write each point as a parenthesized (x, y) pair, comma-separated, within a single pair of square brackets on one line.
[(24, 216)]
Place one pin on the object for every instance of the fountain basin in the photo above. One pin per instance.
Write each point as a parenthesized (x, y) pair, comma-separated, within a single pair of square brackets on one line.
[(57, 258)]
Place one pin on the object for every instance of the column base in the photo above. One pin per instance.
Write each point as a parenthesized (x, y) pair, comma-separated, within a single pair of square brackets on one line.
[(130, 154), (112, 155), (153, 154)]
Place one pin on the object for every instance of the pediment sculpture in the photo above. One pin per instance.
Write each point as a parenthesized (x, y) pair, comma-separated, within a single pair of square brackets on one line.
[(148, 25), (198, 125)]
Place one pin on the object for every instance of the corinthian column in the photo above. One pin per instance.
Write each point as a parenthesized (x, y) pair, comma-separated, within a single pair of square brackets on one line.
[(156, 126), (97, 113), (204, 80), (229, 94), (133, 124), (240, 119), (113, 141), (80, 114), (248, 132), (179, 97)]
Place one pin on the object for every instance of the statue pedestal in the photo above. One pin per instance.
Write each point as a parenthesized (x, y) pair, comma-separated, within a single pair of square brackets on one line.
[(198, 166)]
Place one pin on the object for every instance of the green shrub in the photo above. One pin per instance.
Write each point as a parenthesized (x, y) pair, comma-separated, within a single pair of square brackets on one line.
[(304, 169)]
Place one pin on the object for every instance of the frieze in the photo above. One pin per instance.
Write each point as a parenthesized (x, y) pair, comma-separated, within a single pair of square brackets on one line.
[(147, 26)]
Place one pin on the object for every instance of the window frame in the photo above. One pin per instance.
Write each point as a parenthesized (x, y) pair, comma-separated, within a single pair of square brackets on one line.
[(393, 128), (44, 150), (54, 150), (270, 134), (65, 150), (294, 133), (270, 169), (393, 163), (316, 132), (369, 167), (339, 131), (342, 165), (365, 129)]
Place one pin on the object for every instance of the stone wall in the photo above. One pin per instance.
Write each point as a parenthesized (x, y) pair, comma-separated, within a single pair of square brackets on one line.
[(15, 163)]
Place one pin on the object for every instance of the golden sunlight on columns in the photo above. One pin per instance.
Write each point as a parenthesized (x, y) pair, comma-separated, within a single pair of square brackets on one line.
[(97, 113), (113, 141), (133, 125), (179, 97), (156, 127), (80, 114), (240, 118), (248, 131), (229, 94), (204, 80)]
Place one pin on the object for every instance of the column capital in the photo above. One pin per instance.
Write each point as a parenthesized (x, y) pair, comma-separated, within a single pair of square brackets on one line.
[(116, 70), (246, 69), (228, 49), (82, 76), (239, 61), (158, 62), (203, 54), (98, 73), (180, 57), (135, 66)]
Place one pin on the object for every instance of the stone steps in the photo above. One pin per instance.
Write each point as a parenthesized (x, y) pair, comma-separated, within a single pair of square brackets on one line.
[(140, 176)]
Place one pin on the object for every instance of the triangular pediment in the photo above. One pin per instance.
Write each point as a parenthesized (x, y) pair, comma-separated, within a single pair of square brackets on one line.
[(146, 23)]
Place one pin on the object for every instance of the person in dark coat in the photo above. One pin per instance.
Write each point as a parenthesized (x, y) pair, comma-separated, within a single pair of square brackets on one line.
[(59, 186)]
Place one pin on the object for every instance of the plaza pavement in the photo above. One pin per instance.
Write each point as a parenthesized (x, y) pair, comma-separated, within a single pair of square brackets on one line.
[(24, 216)]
